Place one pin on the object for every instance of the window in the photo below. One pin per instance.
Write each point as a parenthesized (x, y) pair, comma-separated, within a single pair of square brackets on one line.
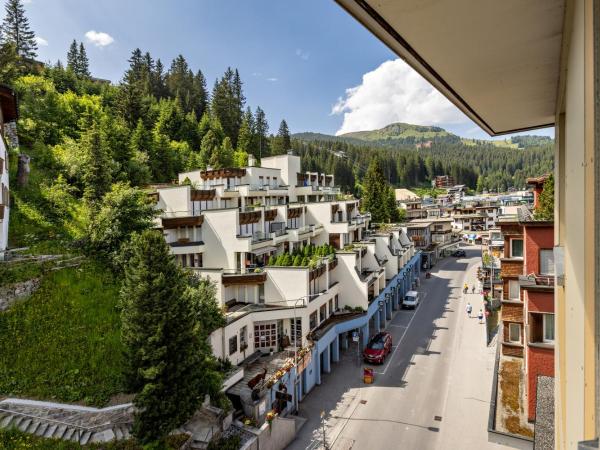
[(296, 331), (243, 340), (233, 341), (312, 320), (548, 327), (322, 313), (265, 335), (547, 262), (514, 290), (516, 248), (330, 307), (514, 332), (336, 301)]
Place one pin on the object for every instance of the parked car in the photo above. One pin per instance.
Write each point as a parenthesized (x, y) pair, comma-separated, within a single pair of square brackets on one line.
[(378, 348), (459, 253), (411, 300)]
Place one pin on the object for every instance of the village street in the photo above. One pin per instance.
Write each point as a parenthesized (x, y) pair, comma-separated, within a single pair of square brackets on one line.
[(439, 363)]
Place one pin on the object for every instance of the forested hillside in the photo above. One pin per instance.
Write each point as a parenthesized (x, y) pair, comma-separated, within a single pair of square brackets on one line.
[(412, 155)]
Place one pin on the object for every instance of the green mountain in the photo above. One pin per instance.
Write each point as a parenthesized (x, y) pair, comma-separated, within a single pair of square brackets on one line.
[(404, 135)]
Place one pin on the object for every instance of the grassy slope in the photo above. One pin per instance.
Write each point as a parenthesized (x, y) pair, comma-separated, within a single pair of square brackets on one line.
[(63, 343), (399, 131)]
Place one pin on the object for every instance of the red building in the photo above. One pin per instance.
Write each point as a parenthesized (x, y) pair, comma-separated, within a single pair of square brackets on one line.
[(527, 269), (537, 287), (537, 292)]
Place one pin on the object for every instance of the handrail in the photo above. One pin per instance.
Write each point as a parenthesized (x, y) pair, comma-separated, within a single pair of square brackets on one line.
[(74, 425)]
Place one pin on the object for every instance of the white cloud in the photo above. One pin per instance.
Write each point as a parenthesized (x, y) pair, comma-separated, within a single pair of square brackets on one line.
[(302, 54), (272, 79), (394, 92), (99, 38), (40, 41)]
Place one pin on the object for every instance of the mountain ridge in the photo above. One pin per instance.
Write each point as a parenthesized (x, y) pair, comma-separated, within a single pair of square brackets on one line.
[(404, 135)]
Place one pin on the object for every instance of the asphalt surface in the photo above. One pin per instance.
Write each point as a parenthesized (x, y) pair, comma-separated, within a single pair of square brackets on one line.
[(405, 407)]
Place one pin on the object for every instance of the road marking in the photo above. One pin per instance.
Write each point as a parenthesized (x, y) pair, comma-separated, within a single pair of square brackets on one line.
[(397, 326), (398, 344)]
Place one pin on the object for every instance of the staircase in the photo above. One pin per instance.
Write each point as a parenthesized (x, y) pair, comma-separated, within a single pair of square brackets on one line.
[(67, 422)]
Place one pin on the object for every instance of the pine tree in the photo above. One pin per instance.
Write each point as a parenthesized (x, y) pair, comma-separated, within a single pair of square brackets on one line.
[(96, 176), (201, 103), (261, 128), (227, 103), (15, 29), (209, 145), (282, 142), (83, 63), (222, 156), (73, 57), (375, 193), (166, 363), (246, 137)]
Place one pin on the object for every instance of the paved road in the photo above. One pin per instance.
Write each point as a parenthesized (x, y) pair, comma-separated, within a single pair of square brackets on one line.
[(405, 407)]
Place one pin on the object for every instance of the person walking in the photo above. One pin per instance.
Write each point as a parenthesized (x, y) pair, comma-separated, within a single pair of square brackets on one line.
[(469, 310), (480, 316), (466, 288), (473, 289)]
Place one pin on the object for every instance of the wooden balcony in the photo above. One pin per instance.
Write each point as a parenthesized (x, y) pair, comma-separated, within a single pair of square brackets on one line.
[(231, 172), (249, 217), (239, 278), (169, 223), (270, 215), (295, 212), (202, 194)]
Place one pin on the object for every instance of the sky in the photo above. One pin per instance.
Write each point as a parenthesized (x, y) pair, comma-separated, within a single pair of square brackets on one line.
[(307, 62)]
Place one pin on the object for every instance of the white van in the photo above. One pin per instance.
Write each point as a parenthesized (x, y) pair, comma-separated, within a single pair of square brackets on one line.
[(411, 300)]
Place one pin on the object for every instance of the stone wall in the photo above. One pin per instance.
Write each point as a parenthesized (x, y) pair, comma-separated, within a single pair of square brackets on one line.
[(13, 292)]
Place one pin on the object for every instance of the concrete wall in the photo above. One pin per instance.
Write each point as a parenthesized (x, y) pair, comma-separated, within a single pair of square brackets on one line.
[(576, 197)]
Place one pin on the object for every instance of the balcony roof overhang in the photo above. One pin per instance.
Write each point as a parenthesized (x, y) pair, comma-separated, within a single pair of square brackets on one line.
[(498, 61)]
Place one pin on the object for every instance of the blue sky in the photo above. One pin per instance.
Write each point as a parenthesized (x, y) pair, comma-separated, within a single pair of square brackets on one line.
[(306, 61)]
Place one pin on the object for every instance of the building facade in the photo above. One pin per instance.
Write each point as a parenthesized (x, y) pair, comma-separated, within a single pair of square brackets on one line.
[(291, 260), (8, 113)]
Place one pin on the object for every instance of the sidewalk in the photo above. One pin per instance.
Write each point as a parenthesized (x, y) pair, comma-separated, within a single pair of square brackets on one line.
[(470, 379)]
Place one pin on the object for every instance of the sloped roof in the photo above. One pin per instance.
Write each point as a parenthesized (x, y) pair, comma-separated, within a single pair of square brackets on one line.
[(405, 194)]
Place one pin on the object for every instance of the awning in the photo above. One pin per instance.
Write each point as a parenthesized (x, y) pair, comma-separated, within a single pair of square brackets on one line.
[(264, 250)]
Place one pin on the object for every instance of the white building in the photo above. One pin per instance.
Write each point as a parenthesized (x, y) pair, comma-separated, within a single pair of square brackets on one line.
[(229, 224), (8, 113)]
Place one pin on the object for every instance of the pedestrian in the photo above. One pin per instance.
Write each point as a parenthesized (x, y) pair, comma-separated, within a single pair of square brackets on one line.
[(480, 316), (466, 288), (469, 310), (473, 289)]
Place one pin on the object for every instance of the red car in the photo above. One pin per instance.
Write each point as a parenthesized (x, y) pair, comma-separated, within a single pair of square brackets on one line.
[(378, 348)]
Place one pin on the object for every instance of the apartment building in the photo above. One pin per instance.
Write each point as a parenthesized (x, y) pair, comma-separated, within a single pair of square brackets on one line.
[(411, 203), (8, 113), (444, 181), (237, 226)]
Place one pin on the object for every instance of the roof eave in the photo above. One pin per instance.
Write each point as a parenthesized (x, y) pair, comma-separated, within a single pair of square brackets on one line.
[(372, 21)]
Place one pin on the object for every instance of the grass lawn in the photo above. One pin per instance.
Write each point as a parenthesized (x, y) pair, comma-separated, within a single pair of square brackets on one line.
[(63, 343), (16, 440)]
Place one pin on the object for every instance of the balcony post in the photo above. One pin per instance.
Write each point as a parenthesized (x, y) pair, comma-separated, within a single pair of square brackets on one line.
[(335, 356)]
